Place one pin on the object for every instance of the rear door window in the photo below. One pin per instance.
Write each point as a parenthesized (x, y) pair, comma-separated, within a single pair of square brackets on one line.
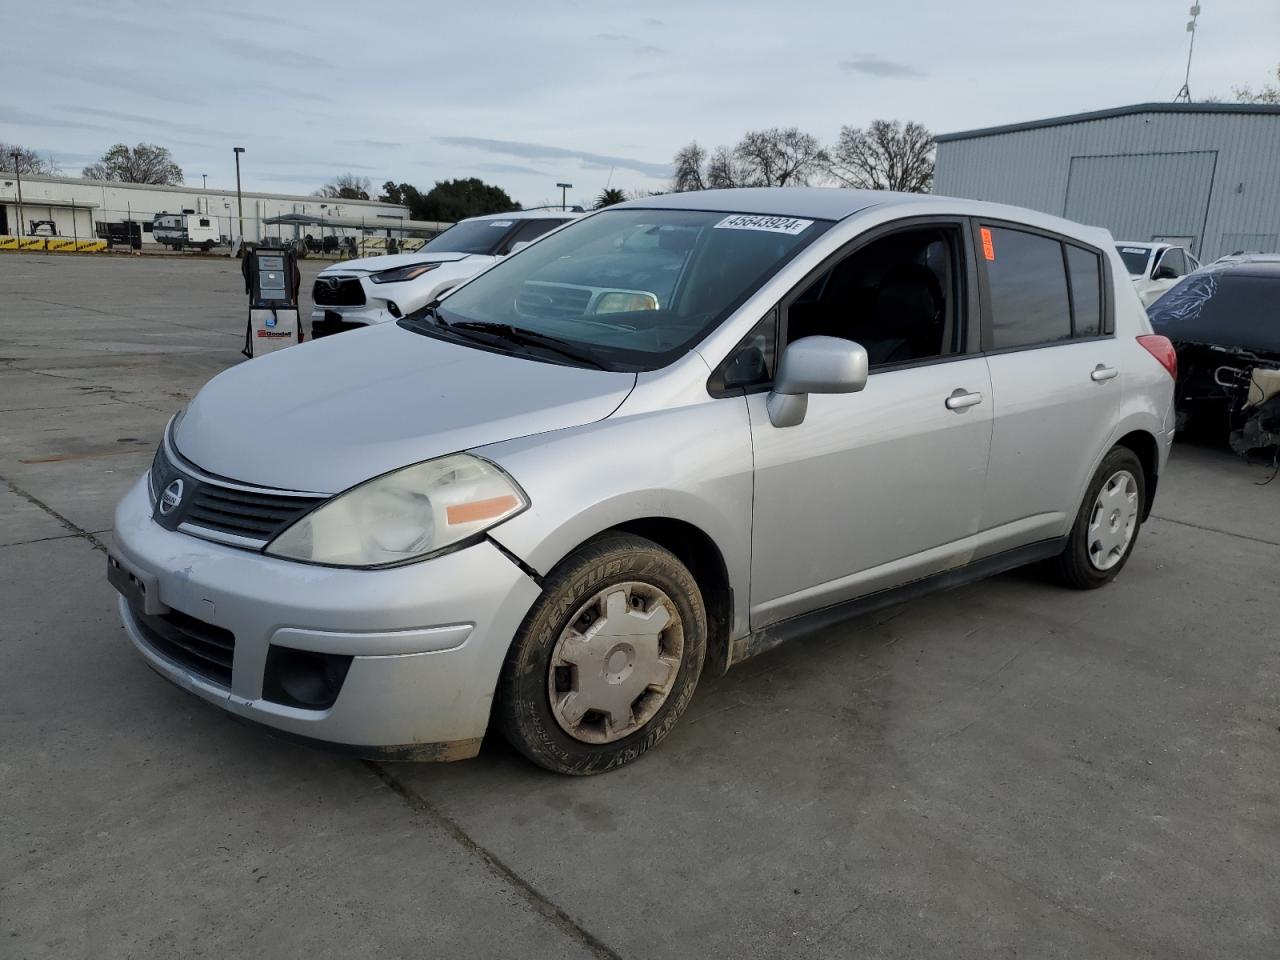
[(1026, 281)]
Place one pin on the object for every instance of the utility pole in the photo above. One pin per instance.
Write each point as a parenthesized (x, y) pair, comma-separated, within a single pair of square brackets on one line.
[(239, 198), (17, 169), (564, 188), (1185, 93)]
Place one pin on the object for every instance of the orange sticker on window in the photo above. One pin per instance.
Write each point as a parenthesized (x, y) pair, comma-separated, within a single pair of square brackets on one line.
[(988, 248)]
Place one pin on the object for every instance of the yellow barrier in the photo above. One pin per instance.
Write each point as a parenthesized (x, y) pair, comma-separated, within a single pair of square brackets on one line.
[(53, 244)]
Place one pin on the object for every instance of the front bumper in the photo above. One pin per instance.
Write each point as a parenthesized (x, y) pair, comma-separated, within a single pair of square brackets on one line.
[(427, 640), (329, 320)]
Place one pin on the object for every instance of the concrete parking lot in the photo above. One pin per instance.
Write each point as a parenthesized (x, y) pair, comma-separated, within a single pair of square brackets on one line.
[(1009, 769)]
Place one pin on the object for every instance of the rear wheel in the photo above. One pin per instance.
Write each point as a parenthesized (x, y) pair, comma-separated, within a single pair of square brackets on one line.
[(1106, 528), (607, 660)]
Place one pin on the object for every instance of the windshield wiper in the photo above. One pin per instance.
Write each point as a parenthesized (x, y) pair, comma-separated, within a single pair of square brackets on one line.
[(506, 332)]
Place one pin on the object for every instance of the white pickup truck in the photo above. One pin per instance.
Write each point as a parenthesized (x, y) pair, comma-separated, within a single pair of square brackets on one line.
[(357, 293)]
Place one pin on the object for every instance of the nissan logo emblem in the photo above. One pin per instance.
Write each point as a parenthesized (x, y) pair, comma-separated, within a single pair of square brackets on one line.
[(170, 498)]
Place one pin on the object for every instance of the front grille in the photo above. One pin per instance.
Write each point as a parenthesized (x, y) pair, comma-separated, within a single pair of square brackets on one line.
[(259, 516), (192, 644), (551, 301), (332, 324), (256, 515), (338, 292)]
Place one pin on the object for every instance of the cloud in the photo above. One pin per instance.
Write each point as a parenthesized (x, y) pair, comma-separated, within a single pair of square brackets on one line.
[(871, 64), (154, 122), (260, 52), (23, 118), (635, 44), (654, 22), (372, 144), (540, 151), (506, 168)]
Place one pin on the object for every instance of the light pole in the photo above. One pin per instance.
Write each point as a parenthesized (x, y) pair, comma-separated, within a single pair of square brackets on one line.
[(564, 187), (205, 181), (239, 198), (17, 169)]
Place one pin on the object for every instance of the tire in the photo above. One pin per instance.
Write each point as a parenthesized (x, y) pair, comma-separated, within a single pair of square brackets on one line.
[(1093, 556), (569, 649), (207, 246)]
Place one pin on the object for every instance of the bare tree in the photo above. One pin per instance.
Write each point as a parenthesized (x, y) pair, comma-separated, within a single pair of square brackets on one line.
[(145, 163), (687, 165), (724, 171), (885, 156), (778, 158), (346, 186), (28, 160), (1267, 93)]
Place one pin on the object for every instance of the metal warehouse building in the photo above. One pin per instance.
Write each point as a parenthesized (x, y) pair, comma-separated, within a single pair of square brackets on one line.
[(80, 208), (1203, 174)]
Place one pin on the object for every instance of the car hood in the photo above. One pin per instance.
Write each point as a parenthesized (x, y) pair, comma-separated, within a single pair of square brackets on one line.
[(391, 261), (328, 414)]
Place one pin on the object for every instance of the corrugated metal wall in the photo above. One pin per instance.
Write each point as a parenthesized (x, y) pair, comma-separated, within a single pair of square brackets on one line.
[(1239, 195)]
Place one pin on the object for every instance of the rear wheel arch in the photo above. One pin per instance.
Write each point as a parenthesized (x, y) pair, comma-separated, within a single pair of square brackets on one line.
[(1144, 446)]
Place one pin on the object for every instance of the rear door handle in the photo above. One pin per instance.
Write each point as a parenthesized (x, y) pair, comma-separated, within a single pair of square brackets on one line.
[(1102, 372), (961, 399)]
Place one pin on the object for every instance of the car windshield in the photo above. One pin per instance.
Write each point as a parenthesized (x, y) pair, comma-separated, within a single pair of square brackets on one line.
[(470, 236), (1135, 259), (630, 289), (1221, 308)]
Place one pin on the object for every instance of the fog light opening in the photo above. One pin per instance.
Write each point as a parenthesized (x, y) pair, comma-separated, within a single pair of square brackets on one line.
[(301, 678)]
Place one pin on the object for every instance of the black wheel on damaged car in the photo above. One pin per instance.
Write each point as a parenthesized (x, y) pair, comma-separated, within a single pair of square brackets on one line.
[(607, 660), (1106, 528)]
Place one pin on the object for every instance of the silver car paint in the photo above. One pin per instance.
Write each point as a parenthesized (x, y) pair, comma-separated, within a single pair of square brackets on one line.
[(670, 450), (326, 415)]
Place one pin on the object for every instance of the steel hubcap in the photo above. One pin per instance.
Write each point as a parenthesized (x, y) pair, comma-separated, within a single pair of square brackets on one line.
[(615, 664), (1113, 521)]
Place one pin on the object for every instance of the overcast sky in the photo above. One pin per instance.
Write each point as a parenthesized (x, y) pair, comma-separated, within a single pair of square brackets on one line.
[(523, 94)]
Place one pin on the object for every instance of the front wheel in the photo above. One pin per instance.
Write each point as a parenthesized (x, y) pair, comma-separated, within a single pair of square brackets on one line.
[(607, 660), (1106, 528)]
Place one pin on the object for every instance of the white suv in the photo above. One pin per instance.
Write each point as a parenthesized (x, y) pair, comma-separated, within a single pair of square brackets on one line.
[(356, 293), (1154, 268)]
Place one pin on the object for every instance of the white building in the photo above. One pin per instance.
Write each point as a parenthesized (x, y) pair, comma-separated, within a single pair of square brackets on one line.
[(79, 208)]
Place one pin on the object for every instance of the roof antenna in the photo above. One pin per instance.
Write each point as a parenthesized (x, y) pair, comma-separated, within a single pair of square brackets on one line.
[(1184, 95)]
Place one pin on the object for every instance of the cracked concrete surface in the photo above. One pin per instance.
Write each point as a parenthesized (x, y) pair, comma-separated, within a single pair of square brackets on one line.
[(1008, 769)]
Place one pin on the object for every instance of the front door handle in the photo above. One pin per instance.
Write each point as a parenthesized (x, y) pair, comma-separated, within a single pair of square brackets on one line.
[(961, 399), (1102, 372)]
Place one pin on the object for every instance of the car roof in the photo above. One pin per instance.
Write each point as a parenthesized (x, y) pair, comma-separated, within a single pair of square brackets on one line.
[(1257, 265), (529, 215), (819, 203)]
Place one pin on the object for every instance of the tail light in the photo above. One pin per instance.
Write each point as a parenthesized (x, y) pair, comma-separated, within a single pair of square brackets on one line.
[(1162, 349)]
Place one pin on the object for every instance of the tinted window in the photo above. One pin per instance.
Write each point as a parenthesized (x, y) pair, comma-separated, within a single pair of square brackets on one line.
[(531, 230), (1172, 260), (1086, 291), (896, 297), (1027, 284), (1135, 259), (1224, 309), (471, 236)]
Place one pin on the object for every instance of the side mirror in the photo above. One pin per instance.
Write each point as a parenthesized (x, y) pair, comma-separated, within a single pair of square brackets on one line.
[(1165, 273), (814, 365)]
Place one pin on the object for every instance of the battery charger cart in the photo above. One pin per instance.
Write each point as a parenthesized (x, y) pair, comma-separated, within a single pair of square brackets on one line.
[(272, 281)]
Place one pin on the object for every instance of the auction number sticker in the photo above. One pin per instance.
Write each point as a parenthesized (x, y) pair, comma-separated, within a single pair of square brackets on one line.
[(1134, 250), (743, 221), (501, 223)]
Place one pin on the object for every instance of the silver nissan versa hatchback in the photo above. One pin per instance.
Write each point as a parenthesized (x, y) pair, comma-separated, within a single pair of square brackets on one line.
[(650, 445)]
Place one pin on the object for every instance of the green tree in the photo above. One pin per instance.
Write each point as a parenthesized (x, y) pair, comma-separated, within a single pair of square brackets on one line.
[(608, 197), (145, 163), (453, 200)]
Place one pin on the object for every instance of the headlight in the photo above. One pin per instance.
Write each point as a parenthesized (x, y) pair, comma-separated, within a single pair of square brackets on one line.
[(400, 274), (619, 302), (404, 515)]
